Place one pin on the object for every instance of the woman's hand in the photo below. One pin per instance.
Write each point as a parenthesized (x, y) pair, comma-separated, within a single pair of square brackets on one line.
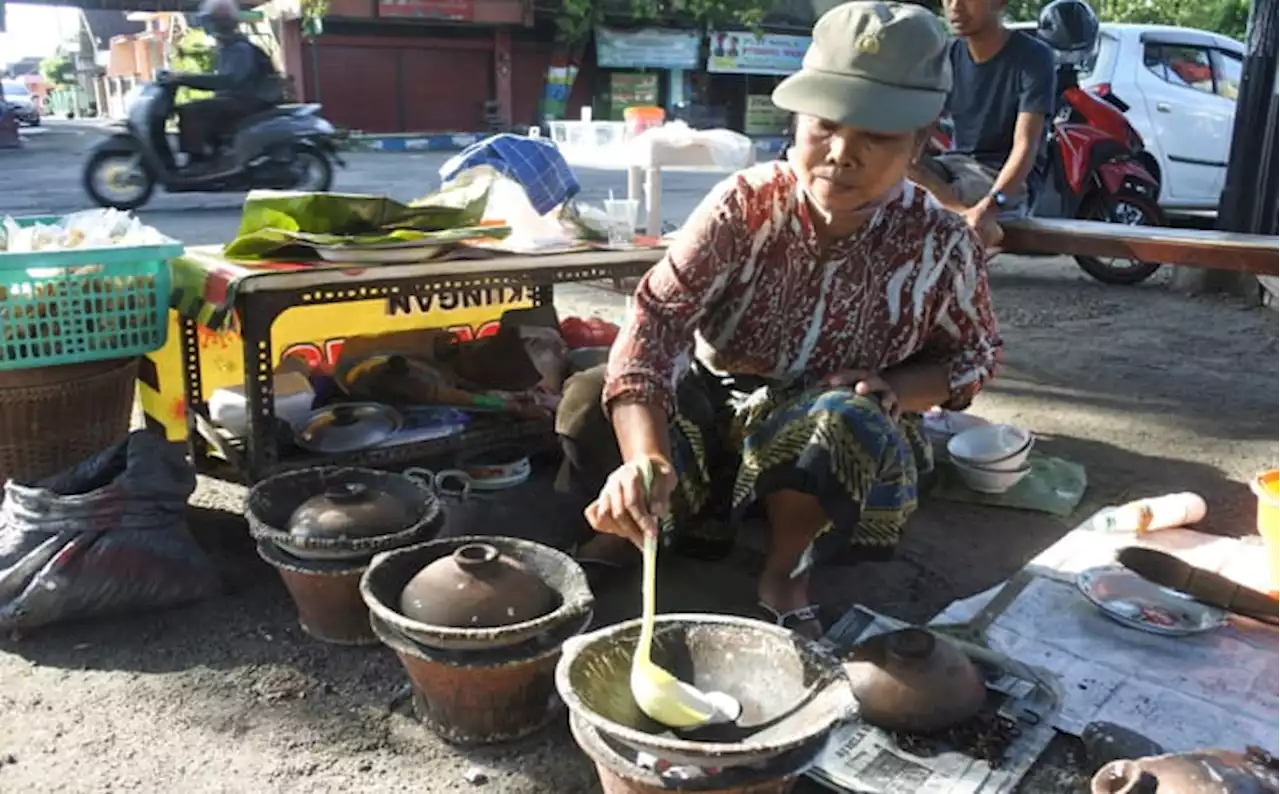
[(623, 507), (867, 384)]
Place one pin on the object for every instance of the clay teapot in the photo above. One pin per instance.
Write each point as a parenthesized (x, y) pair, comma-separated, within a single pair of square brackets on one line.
[(912, 681), (1198, 772), (476, 587), (350, 510)]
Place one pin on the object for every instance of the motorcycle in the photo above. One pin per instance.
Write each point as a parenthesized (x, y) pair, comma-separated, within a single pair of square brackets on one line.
[(287, 147), (1099, 170)]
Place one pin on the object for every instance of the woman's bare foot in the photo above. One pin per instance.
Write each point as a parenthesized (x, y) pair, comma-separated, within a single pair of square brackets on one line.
[(787, 602)]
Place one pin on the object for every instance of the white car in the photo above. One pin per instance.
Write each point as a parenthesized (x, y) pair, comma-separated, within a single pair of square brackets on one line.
[(1180, 85)]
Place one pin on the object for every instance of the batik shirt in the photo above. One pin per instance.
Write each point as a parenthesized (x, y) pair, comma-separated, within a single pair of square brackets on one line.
[(748, 277)]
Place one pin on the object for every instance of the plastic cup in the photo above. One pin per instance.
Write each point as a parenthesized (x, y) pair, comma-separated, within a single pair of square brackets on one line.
[(622, 220), (1266, 486)]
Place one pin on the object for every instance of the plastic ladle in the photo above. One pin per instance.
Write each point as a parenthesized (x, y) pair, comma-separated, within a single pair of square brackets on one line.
[(658, 693)]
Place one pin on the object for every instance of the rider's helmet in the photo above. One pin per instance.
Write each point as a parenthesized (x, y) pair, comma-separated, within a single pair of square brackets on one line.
[(1068, 26)]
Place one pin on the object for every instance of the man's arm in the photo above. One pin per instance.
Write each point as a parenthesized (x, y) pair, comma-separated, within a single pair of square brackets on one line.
[(1035, 102), (235, 68)]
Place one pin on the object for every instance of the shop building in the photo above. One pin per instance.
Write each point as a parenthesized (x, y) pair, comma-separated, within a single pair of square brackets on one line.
[(388, 66), (742, 71), (641, 67)]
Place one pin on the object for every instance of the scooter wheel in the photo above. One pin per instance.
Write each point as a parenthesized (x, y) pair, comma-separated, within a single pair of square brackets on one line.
[(1126, 207), (97, 180)]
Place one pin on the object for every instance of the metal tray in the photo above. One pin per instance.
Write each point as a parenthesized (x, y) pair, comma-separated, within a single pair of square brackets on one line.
[(1132, 601)]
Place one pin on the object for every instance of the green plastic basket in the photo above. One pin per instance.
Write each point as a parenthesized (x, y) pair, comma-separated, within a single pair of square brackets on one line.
[(85, 304)]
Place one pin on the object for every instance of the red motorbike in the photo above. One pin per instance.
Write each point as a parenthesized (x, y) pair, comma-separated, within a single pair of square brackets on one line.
[(1099, 170)]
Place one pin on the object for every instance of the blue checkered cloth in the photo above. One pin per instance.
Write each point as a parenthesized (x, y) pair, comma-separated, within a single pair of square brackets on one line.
[(534, 163)]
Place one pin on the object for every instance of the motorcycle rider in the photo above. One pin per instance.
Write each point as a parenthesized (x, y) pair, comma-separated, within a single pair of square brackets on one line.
[(245, 82), (1002, 91)]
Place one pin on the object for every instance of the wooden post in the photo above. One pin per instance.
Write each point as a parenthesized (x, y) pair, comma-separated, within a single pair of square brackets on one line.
[(1250, 162)]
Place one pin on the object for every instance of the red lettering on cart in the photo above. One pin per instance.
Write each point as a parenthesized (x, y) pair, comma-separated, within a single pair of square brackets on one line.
[(458, 299), (307, 351), (317, 357), (465, 333), (333, 349)]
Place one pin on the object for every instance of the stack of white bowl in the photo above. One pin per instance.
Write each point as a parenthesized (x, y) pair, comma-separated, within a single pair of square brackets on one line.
[(992, 458)]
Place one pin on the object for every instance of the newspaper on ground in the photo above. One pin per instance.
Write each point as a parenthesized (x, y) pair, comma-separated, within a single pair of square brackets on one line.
[(1216, 689), (864, 759)]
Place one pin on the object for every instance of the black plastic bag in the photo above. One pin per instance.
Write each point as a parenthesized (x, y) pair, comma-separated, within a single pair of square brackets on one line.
[(108, 535)]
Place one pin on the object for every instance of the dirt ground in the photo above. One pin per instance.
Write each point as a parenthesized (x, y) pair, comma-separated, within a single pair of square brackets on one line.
[(1152, 391)]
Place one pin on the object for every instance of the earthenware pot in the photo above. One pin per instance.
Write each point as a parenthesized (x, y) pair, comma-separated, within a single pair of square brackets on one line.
[(913, 681), (348, 510), (476, 587), (1198, 772)]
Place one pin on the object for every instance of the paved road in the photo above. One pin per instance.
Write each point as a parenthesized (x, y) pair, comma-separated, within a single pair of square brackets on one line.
[(44, 178)]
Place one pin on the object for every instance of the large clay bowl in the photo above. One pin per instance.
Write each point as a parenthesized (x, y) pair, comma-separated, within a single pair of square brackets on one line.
[(390, 571), (271, 503), (791, 689)]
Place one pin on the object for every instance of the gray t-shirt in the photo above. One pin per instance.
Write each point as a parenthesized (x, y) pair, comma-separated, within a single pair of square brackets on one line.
[(987, 97)]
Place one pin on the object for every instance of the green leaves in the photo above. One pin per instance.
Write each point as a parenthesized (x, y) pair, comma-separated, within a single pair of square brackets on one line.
[(578, 18), (1228, 17)]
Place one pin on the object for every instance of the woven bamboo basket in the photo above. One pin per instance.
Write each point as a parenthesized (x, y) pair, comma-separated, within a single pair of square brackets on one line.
[(54, 417)]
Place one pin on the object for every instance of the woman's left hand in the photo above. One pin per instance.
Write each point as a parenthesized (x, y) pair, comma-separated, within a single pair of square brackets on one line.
[(868, 384)]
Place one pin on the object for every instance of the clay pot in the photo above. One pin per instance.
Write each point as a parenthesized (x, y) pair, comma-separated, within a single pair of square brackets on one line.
[(1199, 772), (326, 594), (483, 697), (350, 510), (390, 572), (341, 513), (476, 587), (619, 774), (914, 682)]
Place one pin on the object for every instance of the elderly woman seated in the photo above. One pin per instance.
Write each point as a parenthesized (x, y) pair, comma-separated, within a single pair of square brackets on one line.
[(780, 354)]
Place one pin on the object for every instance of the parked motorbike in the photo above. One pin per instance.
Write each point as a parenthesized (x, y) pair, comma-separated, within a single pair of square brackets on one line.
[(1099, 170), (287, 147)]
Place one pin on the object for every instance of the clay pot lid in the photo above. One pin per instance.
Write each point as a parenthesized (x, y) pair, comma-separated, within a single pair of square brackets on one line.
[(346, 510), (476, 587), (912, 681)]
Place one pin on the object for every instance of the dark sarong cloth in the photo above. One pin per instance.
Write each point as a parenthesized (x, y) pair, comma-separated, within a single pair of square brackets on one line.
[(736, 440)]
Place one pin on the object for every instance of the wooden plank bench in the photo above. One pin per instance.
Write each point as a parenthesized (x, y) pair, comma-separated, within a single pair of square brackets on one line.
[(1250, 253)]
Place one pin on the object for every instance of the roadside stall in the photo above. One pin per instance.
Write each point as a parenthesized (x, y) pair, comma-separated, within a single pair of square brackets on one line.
[(464, 296)]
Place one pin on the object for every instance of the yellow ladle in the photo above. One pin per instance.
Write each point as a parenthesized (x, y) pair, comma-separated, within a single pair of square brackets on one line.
[(658, 693)]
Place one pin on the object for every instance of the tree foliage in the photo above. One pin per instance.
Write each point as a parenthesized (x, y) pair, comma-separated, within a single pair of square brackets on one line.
[(577, 18), (59, 70), (1228, 17)]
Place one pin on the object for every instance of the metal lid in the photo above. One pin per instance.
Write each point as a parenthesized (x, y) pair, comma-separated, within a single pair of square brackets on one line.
[(348, 427)]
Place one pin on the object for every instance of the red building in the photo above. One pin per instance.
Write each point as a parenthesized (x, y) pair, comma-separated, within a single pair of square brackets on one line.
[(422, 65)]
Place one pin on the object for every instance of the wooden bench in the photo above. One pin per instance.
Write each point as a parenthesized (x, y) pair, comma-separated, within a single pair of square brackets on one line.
[(1250, 253)]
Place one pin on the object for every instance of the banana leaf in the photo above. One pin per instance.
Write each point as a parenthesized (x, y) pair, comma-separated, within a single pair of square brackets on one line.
[(453, 207), (301, 245), (276, 219)]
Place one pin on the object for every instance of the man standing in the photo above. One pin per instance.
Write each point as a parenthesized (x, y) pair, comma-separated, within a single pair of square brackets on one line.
[(1002, 90)]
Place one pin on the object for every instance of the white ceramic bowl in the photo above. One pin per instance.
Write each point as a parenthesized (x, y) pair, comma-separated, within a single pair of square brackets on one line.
[(990, 481), (942, 425), (1003, 447)]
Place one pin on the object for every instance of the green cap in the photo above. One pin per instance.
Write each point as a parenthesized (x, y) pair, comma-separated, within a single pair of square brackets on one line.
[(881, 67)]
